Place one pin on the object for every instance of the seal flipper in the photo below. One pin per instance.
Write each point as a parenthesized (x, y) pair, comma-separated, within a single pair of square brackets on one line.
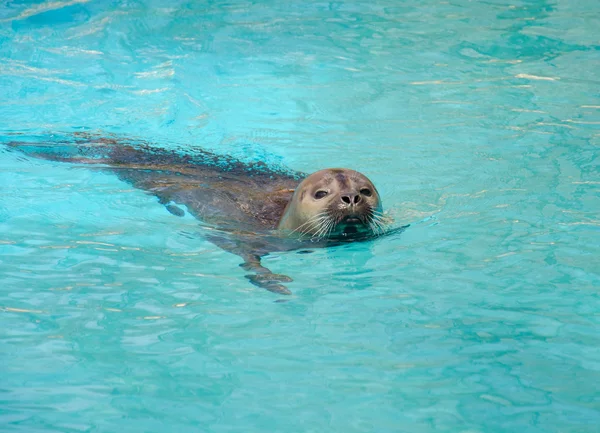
[(175, 210), (171, 207), (263, 277), (265, 281)]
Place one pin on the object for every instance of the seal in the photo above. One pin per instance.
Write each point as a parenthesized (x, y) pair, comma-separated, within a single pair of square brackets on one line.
[(251, 209), (332, 203)]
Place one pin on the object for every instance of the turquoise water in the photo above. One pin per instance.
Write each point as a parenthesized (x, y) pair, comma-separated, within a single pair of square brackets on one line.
[(478, 121)]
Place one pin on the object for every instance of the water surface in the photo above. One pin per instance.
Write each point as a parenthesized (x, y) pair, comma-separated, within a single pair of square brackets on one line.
[(478, 121)]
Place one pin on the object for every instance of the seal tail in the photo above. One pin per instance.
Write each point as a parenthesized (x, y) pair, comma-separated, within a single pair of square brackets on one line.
[(76, 150), (124, 152)]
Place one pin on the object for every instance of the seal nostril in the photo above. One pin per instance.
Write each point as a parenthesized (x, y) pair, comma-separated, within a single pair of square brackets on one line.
[(356, 199), (346, 199)]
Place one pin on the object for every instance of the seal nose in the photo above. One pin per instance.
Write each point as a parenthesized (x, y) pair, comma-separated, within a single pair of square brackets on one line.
[(351, 198)]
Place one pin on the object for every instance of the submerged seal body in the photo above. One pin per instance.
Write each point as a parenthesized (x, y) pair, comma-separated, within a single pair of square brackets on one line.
[(254, 208)]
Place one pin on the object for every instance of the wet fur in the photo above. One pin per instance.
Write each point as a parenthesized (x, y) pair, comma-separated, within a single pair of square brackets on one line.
[(244, 202)]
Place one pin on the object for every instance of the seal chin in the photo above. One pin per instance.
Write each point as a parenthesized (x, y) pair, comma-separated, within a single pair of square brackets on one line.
[(353, 225), (350, 229)]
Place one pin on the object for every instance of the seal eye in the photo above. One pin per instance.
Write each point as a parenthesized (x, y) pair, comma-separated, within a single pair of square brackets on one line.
[(366, 191), (320, 194)]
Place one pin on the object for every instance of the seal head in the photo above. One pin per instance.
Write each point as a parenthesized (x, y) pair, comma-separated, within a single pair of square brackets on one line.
[(334, 202)]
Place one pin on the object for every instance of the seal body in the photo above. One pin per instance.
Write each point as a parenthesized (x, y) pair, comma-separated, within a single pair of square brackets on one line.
[(253, 209)]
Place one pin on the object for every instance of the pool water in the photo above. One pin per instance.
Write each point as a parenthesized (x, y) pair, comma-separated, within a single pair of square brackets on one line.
[(478, 121)]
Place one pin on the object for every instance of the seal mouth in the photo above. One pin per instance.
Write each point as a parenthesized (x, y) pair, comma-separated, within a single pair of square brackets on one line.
[(344, 224), (350, 229), (351, 220), (351, 224)]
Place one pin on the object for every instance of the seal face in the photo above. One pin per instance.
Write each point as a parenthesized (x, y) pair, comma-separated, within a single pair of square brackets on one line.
[(335, 202)]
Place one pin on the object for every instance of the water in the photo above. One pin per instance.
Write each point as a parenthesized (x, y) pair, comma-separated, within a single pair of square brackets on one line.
[(478, 121)]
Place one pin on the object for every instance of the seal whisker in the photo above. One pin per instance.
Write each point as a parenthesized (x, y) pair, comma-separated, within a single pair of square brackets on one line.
[(377, 228), (326, 228), (377, 224), (331, 227), (312, 220), (317, 224), (374, 227), (323, 228), (384, 218), (381, 226)]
